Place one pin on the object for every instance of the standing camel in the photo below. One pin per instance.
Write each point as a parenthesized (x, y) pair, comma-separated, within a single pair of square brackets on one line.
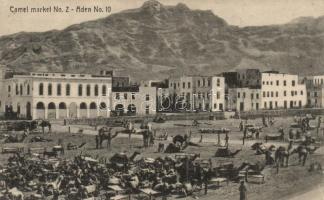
[(105, 134)]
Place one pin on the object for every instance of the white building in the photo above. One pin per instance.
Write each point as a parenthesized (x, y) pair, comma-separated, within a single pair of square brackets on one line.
[(134, 100), (55, 95), (243, 99), (281, 90), (204, 93)]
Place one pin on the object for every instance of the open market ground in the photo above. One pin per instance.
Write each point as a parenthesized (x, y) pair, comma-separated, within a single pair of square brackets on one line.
[(292, 183)]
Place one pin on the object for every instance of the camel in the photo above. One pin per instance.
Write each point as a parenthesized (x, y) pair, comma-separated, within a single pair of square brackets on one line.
[(282, 156), (45, 123), (302, 152), (15, 194), (281, 136), (16, 139), (105, 134), (120, 160), (225, 152), (54, 185), (71, 146)]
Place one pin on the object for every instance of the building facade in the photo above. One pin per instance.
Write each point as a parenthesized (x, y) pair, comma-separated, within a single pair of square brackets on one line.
[(282, 91), (133, 100), (57, 95), (315, 91), (202, 93), (243, 99)]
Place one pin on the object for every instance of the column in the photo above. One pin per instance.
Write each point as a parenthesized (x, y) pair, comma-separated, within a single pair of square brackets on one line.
[(46, 113), (88, 112), (67, 112), (57, 112), (78, 112)]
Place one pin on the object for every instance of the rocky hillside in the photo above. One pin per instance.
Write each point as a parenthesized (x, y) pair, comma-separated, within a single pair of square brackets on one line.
[(162, 40)]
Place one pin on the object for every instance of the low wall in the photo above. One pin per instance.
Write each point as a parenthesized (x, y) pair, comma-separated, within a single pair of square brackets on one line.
[(169, 116), (282, 113)]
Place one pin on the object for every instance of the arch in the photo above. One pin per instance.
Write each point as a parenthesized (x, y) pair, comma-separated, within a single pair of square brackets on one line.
[(62, 110), (103, 109), (40, 106), (41, 89), (119, 109), (40, 110), (131, 109), (83, 110), (93, 105), (49, 89), (73, 110), (93, 110), (18, 109), (51, 113)]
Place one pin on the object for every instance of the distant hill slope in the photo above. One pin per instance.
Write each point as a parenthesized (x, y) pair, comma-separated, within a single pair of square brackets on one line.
[(157, 40)]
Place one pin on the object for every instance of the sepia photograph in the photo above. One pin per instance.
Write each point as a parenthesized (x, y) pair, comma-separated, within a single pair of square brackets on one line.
[(161, 99)]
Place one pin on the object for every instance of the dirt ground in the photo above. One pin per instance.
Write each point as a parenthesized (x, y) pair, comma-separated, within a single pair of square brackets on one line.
[(289, 183)]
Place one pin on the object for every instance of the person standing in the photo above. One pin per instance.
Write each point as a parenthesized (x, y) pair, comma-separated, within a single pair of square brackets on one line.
[(226, 140), (243, 191), (244, 134)]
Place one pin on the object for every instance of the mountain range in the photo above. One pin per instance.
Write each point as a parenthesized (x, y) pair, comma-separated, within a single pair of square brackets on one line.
[(161, 41)]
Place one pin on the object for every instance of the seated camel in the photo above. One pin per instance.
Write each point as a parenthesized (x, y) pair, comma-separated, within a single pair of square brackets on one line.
[(225, 152)]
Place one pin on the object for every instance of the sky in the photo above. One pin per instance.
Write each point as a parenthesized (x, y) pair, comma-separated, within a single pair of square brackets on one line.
[(235, 12)]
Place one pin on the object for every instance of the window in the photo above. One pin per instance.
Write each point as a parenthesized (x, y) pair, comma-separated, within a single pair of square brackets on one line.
[(277, 83), (238, 95), (117, 96), (203, 82), (293, 83), (104, 90), (9, 88), (285, 93), (257, 95), (302, 92), (218, 95), (125, 95), (183, 85), (49, 89), (208, 82), (285, 83), (243, 94), (271, 83), (67, 89), (17, 92), (88, 90), (277, 94), (28, 89), (271, 94), (315, 94), (199, 95), (198, 83), (265, 104), (133, 96), (263, 83), (80, 90), (218, 82), (96, 90), (252, 95), (292, 93), (147, 97), (268, 94), (21, 89), (59, 90), (215, 105), (189, 85), (264, 94), (41, 89), (147, 109), (267, 82)]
